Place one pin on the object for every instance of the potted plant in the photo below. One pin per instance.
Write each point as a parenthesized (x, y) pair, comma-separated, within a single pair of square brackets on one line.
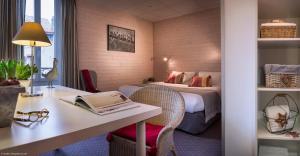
[(9, 91), (23, 72), (7, 73)]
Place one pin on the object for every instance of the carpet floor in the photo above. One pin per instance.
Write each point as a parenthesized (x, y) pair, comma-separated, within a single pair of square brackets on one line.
[(206, 144)]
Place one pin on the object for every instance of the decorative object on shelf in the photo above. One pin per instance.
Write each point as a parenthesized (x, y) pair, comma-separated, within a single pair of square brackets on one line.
[(31, 34), (282, 76), (294, 134), (52, 74), (8, 101), (23, 73), (278, 29), (281, 113), (120, 39)]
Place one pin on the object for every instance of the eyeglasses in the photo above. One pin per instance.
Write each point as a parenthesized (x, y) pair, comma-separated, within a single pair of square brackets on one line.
[(33, 116)]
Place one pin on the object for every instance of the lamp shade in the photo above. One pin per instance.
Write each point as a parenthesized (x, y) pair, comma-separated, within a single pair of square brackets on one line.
[(31, 34)]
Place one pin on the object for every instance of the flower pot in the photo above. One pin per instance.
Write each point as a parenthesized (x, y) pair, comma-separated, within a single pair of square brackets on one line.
[(25, 83), (8, 102)]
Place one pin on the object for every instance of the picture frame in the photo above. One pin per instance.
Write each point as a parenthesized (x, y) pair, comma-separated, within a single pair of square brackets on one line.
[(120, 39)]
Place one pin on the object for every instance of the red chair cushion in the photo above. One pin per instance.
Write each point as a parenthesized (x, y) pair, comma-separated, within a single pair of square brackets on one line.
[(129, 133), (88, 81)]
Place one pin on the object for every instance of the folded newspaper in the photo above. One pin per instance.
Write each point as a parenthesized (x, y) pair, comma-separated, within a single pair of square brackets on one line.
[(101, 103)]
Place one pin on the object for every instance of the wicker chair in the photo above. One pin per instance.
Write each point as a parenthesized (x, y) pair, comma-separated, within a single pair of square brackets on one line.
[(173, 109)]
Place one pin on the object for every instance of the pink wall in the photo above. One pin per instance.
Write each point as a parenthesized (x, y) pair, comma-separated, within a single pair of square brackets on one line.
[(113, 68), (192, 42)]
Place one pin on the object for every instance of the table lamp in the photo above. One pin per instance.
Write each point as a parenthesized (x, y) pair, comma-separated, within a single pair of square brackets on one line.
[(31, 34)]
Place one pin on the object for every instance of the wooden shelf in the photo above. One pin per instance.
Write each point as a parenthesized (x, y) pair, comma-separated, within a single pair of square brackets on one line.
[(278, 42), (264, 134), (264, 89)]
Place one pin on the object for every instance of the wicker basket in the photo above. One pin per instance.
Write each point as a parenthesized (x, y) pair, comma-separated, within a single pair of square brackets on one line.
[(278, 29), (276, 80), (288, 121)]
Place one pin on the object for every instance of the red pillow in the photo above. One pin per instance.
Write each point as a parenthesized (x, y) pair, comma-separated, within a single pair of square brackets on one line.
[(170, 79), (196, 82)]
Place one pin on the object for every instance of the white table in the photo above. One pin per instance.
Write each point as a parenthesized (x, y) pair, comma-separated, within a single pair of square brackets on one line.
[(68, 124)]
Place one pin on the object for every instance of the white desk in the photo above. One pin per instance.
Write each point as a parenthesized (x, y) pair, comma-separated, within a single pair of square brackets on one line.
[(68, 124)]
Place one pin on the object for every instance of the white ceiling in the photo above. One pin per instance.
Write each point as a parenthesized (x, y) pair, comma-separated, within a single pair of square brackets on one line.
[(157, 10), (279, 8)]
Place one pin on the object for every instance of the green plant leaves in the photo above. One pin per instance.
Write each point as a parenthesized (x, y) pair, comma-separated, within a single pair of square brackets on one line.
[(10, 69), (23, 71)]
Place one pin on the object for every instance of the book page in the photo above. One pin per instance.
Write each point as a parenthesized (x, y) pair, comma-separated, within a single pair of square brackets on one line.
[(103, 99)]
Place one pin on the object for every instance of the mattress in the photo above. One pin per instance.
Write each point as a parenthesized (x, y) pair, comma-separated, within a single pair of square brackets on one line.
[(193, 102)]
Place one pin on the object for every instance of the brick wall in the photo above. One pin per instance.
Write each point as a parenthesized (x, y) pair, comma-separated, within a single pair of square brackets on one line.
[(192, 42), (113, 68)]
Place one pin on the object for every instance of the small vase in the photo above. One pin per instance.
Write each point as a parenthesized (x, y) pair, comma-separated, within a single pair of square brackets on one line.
[(8, 102), (25, 83)]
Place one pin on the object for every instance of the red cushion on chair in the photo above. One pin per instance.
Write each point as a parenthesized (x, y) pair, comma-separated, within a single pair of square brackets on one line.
[(88, 81), (129, 133)]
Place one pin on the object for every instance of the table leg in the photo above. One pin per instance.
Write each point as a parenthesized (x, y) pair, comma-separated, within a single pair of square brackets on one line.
[(140, 139)]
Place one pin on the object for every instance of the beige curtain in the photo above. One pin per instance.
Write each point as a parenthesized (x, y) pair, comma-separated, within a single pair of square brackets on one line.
[(70, 68), (12, 15)]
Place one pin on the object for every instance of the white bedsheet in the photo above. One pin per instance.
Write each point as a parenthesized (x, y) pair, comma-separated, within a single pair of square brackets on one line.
[(193, 102), (213, 88)]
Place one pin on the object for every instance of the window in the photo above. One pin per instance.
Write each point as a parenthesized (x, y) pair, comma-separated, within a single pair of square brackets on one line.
[(41, 11)]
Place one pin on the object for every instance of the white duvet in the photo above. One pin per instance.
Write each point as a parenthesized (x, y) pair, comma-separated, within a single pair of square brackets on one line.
[(193, 102)]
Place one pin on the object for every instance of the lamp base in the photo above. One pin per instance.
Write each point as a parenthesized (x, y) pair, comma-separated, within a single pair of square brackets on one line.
[(34, 94)]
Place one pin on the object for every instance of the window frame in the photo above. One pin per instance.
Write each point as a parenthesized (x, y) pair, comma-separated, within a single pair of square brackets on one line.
[(39, 80)]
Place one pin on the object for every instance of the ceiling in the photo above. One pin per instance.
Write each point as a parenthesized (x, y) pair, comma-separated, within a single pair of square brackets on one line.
[(279, 8), (157, 10)]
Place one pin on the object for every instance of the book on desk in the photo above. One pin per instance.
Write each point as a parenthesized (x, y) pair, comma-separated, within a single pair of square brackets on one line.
[(101, 103)]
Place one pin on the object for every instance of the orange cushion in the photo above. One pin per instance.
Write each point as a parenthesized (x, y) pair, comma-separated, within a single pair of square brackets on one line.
[(198, 81)]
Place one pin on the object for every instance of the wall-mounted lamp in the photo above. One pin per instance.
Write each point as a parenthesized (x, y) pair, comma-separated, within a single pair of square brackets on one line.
[(165, 59)]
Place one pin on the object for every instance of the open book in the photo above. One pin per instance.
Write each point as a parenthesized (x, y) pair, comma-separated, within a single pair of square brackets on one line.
[(102, 103)]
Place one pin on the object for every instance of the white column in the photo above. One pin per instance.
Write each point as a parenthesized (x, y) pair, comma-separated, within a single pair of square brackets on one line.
[(239, 72), (141, 138)]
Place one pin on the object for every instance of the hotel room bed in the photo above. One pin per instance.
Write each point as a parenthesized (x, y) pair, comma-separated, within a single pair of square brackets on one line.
[(202, 104)]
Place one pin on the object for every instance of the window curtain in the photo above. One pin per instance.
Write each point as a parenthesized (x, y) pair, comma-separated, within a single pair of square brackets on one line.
[(12, 16), (69, 50)]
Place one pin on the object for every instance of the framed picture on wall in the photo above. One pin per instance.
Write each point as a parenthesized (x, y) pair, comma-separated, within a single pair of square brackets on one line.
[(120, 39)]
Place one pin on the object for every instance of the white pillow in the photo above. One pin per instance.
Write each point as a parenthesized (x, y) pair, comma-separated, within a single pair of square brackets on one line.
[(215, 77), (175, 73), (187, 76)]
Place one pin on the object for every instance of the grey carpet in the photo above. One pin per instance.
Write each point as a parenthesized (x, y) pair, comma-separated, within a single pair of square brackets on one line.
[(206, 144)]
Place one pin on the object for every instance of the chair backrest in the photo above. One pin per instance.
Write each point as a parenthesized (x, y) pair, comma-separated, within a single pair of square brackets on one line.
[(170, 101), (93, 75)]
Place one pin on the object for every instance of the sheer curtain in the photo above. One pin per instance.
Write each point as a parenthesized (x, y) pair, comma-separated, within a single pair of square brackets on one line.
[(12, 16), (66, 28)]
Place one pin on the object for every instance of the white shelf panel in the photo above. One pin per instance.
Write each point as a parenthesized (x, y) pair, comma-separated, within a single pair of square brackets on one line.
[(278, 42), (264, 89), (263, 133)]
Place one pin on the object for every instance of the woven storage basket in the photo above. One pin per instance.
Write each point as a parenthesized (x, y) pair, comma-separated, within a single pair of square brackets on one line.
[(282, 80), (282, 76), (278, 29)]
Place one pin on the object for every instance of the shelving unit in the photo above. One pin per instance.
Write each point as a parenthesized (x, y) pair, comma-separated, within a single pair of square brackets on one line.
[(277, 51), (265, 89), (278, 42)]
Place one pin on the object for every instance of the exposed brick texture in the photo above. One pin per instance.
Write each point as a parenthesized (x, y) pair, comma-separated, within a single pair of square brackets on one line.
[(192, 42)]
